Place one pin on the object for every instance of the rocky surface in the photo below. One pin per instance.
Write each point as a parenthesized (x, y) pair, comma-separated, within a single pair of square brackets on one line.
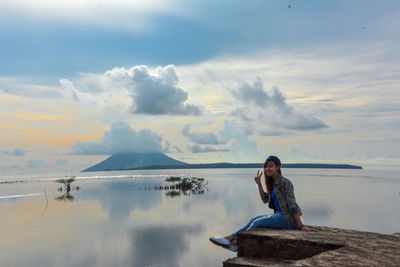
[(327, 247)]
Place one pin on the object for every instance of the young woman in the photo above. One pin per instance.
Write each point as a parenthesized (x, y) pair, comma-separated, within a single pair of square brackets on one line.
[(279, 196)]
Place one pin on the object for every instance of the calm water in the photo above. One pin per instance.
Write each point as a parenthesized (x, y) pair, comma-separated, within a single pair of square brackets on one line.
[(115, 220)]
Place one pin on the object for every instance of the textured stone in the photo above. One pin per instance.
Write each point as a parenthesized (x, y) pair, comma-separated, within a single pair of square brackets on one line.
[(327, 247), (254, 262)]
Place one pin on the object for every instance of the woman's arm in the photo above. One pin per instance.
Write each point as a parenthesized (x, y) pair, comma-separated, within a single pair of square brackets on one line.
[(302, 227), (257, 179), (264, 196)]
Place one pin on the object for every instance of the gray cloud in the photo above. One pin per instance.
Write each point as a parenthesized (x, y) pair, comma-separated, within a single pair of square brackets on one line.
[(178, 150), (203, 138), (121, 138), (15, 152), (169, 148), (235, 141), (252, 93), (203, 149), (143, 92), (270, 111)]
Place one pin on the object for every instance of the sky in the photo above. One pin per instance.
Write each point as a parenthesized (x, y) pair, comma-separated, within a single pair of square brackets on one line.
[(201, 81)]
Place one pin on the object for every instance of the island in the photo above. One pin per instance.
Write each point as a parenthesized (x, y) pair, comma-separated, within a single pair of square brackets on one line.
[(248, 165), (156, 161)]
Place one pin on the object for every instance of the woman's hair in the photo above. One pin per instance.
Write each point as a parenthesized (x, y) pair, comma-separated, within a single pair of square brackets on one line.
[(269, 181)]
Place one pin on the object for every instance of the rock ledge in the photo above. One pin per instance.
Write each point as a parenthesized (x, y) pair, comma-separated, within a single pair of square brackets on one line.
[(328, 247)]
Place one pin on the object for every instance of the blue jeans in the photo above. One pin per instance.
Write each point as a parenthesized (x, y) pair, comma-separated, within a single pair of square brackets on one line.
[(275, 220)]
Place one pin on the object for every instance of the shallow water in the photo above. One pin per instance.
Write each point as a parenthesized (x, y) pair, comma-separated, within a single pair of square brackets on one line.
[(118, 218)]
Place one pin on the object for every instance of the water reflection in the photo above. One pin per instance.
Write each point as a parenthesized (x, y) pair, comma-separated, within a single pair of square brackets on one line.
[(161, 245), (178, 193), (184, 186), (126, 222), (120, 198), (316, 212), (65, 197)]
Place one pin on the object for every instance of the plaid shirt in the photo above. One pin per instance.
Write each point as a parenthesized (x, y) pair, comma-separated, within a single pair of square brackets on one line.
[(285, 195)]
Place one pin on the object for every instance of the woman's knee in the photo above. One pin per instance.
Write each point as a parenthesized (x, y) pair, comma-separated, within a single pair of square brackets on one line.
[(255, 218), (260, 221)]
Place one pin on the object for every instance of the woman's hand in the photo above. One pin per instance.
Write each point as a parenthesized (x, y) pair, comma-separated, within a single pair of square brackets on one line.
[(307, 229), (257, 179)]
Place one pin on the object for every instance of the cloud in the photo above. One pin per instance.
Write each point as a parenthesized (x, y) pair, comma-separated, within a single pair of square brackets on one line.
[(121, 138), (178, 150), (132, 15), (71, 92), (203, 138), (297, 154), (18, 152), (269, 111), (168, 148), (204, 149), (253, 94), (62, 163), (137, 89), (239, 142), (15, 152), (35, 163), (25, 88), (232, 137), (11, 168)]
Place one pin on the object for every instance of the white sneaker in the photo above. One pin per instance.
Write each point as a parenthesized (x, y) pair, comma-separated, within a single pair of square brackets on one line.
[(221, 241)]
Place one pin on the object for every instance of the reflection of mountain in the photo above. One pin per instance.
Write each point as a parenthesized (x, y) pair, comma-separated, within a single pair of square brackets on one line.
[(133, 161)]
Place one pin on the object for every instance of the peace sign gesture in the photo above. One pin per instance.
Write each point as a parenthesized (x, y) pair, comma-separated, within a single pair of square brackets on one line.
[(257, 179)]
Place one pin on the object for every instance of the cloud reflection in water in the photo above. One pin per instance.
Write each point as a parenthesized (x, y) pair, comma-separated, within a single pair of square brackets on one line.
[(161, 245)]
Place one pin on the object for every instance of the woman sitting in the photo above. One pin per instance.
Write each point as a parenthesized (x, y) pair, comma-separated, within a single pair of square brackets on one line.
[(279, 196)]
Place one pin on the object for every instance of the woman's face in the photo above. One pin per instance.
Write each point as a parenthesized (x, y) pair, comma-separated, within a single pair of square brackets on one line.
[(272, 169)]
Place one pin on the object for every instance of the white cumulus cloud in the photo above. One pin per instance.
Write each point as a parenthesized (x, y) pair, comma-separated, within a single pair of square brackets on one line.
[(121, 138), (136, 89)]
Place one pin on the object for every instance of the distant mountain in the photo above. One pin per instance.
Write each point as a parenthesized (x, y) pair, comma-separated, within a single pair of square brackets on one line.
[(134, 161)]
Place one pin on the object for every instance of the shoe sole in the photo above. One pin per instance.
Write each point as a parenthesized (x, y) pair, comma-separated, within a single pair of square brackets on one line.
[(219, 244)]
